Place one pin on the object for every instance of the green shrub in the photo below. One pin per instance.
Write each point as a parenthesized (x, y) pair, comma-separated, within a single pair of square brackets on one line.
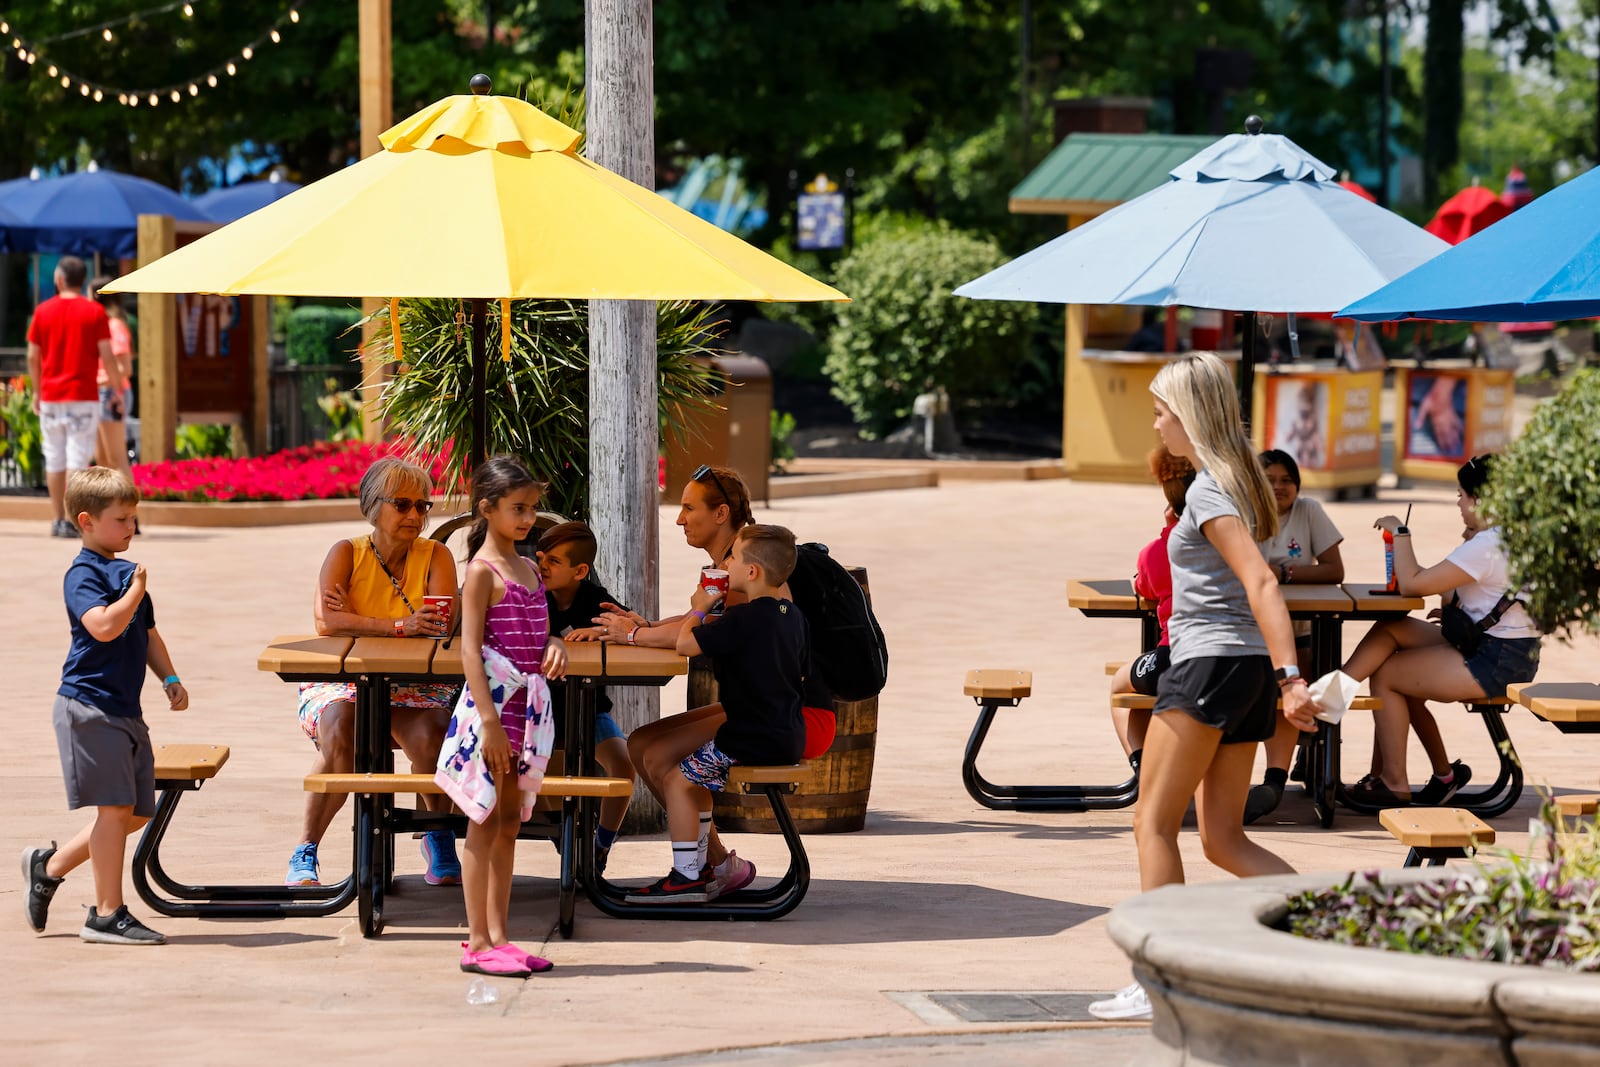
[(1544, 494), (905, 333), (318, 334), (198, 440)]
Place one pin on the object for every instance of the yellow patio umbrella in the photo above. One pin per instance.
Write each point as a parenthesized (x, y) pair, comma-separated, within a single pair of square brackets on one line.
[(479, 197)]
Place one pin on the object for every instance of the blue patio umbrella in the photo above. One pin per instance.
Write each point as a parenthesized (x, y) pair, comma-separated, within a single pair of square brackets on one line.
[(1252, 223), (1540, 263), (89, 211), (237, 201)]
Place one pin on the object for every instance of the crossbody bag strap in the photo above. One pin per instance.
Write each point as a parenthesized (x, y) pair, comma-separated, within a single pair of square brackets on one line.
[(1501, 606), (392, 580)]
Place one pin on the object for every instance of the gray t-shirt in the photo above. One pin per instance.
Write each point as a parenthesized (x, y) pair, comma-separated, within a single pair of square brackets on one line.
[(1210, 611)]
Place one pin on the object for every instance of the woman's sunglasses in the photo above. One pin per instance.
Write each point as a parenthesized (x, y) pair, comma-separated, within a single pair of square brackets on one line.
[(404, 505), (700, 474)]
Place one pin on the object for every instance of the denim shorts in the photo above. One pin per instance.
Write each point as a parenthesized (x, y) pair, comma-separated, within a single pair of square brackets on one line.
[(606, 728), (1501, 661)]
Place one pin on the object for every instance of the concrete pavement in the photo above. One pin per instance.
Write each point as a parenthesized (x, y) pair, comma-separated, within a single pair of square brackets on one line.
[(936, 901)]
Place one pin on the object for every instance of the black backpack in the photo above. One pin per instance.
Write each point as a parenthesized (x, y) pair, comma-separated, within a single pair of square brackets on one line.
[(847, 646)]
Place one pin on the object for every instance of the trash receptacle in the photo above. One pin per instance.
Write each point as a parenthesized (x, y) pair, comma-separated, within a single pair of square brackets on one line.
[(737, 433)]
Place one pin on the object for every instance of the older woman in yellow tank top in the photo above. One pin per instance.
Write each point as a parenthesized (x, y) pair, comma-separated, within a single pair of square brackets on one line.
[(373, 586)]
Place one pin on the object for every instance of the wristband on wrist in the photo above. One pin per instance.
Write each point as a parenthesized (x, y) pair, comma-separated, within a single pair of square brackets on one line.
[(697, 613), (631, 633), (399, 627), (1297, 680), (171, 679)]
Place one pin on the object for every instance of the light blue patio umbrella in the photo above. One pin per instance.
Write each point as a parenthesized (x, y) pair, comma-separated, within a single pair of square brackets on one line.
[(1252, 223), (1540, 263)]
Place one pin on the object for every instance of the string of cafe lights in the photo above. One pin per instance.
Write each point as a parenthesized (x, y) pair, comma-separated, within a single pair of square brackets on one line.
[(98, 92)]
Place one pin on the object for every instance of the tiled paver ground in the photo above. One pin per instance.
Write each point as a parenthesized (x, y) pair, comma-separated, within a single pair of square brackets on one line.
[(937, 898)]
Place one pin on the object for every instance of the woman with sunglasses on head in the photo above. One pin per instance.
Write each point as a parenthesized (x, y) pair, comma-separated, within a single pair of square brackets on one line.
[(1411, 661), (373, 586), (714, 507)]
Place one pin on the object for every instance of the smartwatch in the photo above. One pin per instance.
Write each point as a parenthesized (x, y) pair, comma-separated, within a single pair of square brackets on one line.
[(1286, 674)]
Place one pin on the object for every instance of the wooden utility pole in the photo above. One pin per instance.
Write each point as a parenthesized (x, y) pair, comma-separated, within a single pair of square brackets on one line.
[(623, 431), (377, 115)]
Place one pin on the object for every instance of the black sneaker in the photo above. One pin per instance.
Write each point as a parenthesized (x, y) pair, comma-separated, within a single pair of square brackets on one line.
[(118, 928), (41, 887), (1436, 792), (673, 889)]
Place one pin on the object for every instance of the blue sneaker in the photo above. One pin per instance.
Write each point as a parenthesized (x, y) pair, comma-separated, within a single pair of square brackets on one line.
[(439, 852), (303, 866)]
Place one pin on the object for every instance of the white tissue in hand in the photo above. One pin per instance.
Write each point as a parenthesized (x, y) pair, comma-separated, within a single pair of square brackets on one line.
[(1333, 693)]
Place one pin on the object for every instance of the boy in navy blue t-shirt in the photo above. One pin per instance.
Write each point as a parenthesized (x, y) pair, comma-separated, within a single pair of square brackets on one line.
[(106, 758)]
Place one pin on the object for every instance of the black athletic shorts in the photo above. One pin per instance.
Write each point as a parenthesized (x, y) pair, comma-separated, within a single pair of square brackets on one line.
[(1235, 694), (1148, 668)]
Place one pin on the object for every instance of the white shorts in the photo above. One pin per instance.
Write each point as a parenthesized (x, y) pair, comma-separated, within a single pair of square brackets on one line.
[(70, 429)]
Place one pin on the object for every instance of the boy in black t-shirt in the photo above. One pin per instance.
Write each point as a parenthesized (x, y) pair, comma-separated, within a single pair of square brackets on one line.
[(760, 653), (566, 558)]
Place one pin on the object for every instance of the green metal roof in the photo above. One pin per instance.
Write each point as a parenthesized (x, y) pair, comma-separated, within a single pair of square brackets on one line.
[(1089, 173)]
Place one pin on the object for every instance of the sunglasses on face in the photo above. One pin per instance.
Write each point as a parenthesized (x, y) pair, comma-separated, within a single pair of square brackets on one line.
[(702, 472), (404, 505)]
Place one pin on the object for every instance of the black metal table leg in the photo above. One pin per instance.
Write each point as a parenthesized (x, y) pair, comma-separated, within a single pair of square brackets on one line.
[(1034, 797)]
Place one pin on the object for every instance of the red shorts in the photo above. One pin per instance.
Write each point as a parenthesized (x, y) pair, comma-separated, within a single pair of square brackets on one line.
[(820, 728)]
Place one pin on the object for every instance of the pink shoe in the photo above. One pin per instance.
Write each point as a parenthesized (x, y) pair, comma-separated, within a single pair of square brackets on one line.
[(740, 874), (495, 963), (536, 964)]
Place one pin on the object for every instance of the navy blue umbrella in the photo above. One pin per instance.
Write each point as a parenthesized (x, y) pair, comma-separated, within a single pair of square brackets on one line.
[(237, 201), (1538, 264), (87, 212)]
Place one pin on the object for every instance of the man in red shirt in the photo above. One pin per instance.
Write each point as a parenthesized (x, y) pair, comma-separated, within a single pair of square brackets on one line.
[(69, 339)]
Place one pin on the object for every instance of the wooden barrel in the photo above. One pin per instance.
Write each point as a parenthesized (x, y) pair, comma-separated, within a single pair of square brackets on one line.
[(832, 797)]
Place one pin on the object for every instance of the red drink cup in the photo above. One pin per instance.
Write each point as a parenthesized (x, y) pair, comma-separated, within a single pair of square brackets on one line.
[(713, 580), (441, 604)]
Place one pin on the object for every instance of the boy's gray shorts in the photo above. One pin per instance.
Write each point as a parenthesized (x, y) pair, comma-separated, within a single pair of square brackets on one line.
[(106, 760)]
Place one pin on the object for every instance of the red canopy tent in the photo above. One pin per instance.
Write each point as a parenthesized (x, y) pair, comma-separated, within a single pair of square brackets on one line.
[(1472, 209)]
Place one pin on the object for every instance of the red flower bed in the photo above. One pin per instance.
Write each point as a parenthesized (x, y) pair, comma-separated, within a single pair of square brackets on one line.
[(319, 471)]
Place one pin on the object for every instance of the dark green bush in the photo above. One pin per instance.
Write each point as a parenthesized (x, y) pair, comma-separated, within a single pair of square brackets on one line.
[(905, 333), (316, 334), (1545, 496)]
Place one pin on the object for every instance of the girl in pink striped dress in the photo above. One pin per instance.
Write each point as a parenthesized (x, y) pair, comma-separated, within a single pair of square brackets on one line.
[(503, 609)]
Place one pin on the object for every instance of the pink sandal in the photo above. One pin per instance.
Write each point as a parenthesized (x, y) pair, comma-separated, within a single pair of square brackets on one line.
[(495, 963), (535, 964)]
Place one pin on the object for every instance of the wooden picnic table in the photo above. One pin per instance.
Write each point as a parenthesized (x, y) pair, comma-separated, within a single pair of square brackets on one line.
[(376, 664), (1571, 707), (1326, 607)]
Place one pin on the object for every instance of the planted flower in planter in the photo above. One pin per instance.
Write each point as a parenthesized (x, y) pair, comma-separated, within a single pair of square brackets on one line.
[(1542, 910)]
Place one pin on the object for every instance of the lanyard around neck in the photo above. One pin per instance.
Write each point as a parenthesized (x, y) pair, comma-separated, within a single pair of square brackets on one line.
[(392, 581)]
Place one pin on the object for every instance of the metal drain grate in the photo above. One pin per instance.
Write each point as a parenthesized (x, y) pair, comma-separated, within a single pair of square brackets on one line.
[(996, 1006)]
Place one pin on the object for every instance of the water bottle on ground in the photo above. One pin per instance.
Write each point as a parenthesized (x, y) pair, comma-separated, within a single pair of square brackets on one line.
[(481, 992)]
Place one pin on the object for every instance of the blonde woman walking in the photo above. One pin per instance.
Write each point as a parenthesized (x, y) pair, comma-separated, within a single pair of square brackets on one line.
[(1232, 647)]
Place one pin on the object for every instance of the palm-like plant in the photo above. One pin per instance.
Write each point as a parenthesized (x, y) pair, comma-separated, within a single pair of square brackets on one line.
[(538, 399)]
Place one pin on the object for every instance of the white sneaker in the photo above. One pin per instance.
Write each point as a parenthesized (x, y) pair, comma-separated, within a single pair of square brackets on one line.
[(1132, 1003)]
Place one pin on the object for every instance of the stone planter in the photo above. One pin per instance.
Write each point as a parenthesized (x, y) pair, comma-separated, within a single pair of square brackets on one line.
[(1228, 989)]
